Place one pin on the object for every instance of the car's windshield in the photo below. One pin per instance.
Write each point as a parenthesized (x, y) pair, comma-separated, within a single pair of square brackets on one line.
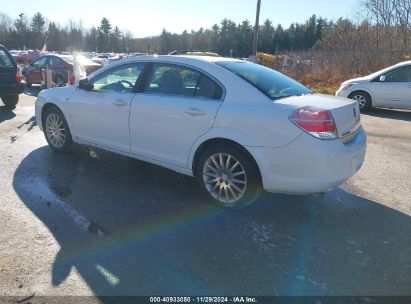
[(272, 83)]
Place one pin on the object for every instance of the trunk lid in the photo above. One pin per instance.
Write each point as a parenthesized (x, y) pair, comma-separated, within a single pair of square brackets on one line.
[(346, 112)]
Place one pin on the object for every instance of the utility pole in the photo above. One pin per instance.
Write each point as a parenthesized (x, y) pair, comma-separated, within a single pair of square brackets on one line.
[(256, 28)]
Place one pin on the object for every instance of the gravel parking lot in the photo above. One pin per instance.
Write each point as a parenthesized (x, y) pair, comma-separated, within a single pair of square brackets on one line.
[(94, 223)]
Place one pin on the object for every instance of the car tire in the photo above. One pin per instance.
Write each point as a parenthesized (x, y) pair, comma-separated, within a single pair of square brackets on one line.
[(228, 177), (10, 101), (56, 130), (363, 99), (26, 79)]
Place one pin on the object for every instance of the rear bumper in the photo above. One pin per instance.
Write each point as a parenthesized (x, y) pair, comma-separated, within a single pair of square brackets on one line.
[(12, 88), (309, 165)]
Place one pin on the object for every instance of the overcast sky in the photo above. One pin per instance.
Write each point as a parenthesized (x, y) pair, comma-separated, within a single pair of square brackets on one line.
[(148, 18)]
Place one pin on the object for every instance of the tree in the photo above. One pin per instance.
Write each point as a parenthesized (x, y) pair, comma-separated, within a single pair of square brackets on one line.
[(105, 28), (245, 39), (228, 45), (21, 29), (165, 42), (266, 37), (115, 37), (38, 24)]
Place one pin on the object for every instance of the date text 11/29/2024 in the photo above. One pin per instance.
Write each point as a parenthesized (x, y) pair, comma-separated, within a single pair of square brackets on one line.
[(203, 300)]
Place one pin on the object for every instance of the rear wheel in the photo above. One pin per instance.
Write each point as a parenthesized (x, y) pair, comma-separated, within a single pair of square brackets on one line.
[(363, 99), (10, 101), (228, 177), (56, 130)]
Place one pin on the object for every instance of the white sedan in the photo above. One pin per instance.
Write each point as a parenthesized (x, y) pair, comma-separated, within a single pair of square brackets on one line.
[(389, 88), (237, 126)]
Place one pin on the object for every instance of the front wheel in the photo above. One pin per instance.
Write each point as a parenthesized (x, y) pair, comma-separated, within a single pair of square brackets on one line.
[(10, 101), (56, 130), (228, 177)]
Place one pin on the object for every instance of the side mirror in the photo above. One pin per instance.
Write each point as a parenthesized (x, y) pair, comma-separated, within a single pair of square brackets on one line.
[(85, 85), (382, 78)]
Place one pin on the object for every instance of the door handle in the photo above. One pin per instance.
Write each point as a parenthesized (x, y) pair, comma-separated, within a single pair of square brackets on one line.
[(195, 112), (120, 103)]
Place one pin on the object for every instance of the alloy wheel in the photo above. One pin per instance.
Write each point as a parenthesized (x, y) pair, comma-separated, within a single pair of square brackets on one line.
[(55, 130), (224, 178)]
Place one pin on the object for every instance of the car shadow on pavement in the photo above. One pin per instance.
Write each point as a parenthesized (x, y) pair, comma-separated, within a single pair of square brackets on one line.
[(389, 113), (6, 114), (160, 237)]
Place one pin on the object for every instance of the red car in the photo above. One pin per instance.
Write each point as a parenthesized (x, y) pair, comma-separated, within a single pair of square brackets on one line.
[(61, 66)]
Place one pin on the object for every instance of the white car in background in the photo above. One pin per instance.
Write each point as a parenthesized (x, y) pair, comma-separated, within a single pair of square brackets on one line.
[(388, 88), (237, 126)]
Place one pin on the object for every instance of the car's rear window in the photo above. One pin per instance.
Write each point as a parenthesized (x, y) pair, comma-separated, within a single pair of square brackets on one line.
[(272, 83), (5, 59)]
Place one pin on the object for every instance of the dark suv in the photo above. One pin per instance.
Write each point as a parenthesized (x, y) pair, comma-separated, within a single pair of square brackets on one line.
[(11, 81)]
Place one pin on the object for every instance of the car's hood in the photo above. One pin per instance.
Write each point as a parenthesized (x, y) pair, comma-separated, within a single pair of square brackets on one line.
[(61, 92), (359, 80)]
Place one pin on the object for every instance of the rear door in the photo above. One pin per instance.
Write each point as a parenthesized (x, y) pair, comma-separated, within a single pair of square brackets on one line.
[(177, 106), (395, 91), (8, 67)]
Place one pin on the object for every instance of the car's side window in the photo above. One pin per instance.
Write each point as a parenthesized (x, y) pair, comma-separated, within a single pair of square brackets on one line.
[(119, 79), (5, 59), (208, 88), (181, 81), (402, 74), (40, 61), (53, 61)]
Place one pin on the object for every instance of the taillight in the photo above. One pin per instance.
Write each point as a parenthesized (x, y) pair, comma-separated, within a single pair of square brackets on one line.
[(315, 121), (72, 80), (19, 76), (71, 77)]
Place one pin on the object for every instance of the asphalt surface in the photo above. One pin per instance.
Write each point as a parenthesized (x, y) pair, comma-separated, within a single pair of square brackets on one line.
[(94, 223)]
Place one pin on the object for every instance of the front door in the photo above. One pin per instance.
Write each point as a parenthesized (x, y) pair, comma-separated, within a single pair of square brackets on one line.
[(395, 91), (34, 74), (100, 116)]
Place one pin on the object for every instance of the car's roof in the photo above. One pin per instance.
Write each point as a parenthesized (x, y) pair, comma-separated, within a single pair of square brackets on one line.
[(403, 63), (390, 68), (178, 58)]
